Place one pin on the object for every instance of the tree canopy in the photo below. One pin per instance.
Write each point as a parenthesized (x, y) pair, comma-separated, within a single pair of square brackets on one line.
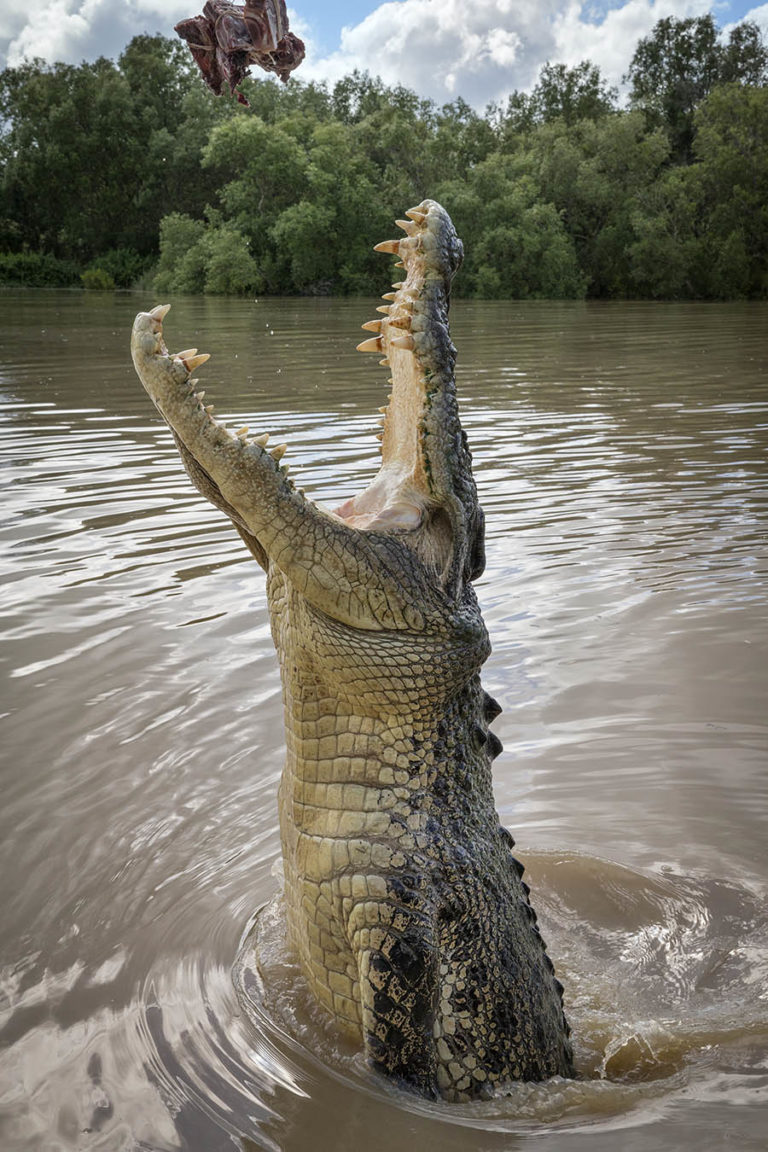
[(120, 169)]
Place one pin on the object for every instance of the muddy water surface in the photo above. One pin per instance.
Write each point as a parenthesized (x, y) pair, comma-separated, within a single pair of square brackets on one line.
[(621, 457)]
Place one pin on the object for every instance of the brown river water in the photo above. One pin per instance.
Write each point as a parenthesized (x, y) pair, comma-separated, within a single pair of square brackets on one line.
[(620, 454)]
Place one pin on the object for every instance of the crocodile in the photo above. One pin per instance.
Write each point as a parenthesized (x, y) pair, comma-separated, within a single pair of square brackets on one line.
[(404, 903)]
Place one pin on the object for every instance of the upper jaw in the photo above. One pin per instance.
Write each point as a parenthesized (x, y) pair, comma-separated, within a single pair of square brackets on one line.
[(424, 487), (412, 336)]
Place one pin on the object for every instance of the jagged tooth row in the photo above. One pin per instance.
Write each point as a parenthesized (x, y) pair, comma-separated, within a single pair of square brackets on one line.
[(191, 360), (403, 320)]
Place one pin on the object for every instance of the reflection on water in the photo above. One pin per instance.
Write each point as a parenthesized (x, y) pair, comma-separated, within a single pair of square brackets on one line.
[(620, 456)]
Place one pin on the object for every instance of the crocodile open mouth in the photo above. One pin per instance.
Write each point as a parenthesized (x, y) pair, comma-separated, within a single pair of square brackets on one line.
[(419, 489)]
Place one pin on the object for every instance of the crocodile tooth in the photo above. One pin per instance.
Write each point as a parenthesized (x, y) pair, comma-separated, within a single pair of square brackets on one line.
[(185, 354), (200, 395), (372, 326), (160, 311), (384, 363), (399, 264), (385, 308), (261, 440), (384, 408), (400, 322), (389, 296), (406, 342), (415, 215), (379, 435), (284, 469), (278, 452), (195, 361), (407, 226), (391, 246), (372, 345), (243, 431), (209, 408), (400, 284)]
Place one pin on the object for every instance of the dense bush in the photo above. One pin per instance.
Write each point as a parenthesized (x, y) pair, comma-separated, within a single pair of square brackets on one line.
[(97, 280), (124, 265), (38, 270)]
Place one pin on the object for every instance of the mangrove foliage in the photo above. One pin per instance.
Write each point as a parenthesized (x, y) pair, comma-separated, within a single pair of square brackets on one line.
[(121, 171)]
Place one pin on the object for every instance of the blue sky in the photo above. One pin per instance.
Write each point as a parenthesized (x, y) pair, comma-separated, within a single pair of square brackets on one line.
[(479, 50), (328, 17)]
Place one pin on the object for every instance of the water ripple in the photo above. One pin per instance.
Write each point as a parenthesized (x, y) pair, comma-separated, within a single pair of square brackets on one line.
[(620, 454)]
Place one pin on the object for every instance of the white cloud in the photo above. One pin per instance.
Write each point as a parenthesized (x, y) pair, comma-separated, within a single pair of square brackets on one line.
[(478, 49), (610, 42), (759, 16), (75, 30), (486, 49), (445, 48)]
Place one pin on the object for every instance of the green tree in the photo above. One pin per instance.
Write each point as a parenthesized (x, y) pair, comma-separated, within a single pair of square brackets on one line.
[(87, 150), (560, 93), (182, 263), (594, 173), (516, 245), (571, 94), (731, 149), (105, 165), (72, 153), (675, 68), (229, 267), (662, 242), (744, 59)]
